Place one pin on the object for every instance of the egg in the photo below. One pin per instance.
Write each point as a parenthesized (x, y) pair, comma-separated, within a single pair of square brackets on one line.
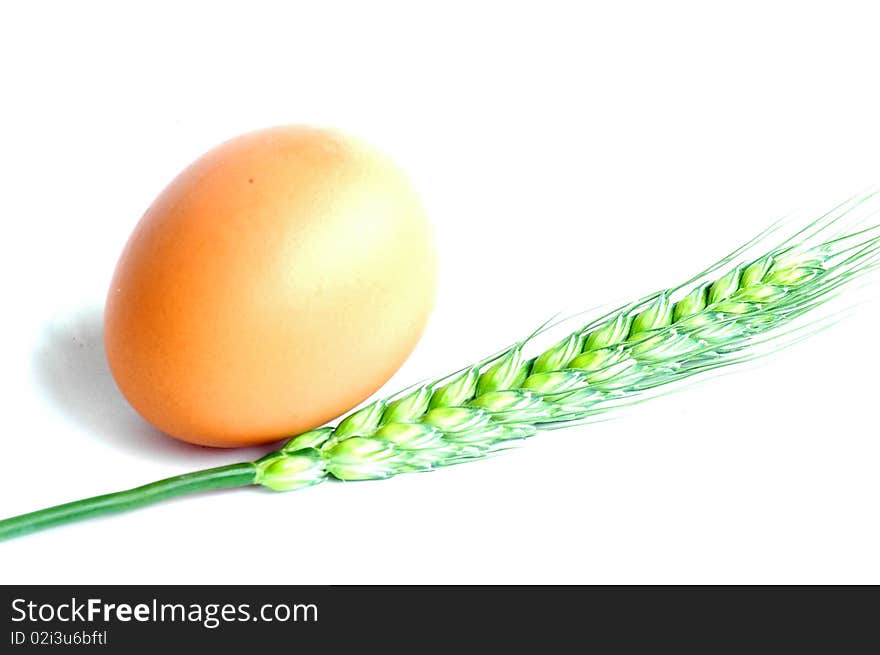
[(274, 284)]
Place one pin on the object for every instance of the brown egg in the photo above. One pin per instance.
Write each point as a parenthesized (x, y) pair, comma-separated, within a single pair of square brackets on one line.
[(276, 283)]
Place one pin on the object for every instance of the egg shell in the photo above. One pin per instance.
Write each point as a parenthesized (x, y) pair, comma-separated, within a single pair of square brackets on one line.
[(276, 283)]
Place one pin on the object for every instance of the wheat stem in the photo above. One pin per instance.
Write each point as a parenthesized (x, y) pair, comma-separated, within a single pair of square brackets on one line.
[(224, 477), (617, 359)]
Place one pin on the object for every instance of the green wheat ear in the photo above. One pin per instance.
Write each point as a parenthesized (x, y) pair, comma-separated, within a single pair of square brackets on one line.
[(658, 340), (722, 316)]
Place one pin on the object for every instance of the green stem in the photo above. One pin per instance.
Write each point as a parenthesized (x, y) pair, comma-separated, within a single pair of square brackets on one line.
[(223, 477)]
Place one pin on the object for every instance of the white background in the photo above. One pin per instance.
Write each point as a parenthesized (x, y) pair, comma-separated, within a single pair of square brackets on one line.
[(570, 154)]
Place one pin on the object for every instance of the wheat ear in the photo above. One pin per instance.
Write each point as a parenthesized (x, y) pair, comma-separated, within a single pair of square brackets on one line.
[(721, 317)]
